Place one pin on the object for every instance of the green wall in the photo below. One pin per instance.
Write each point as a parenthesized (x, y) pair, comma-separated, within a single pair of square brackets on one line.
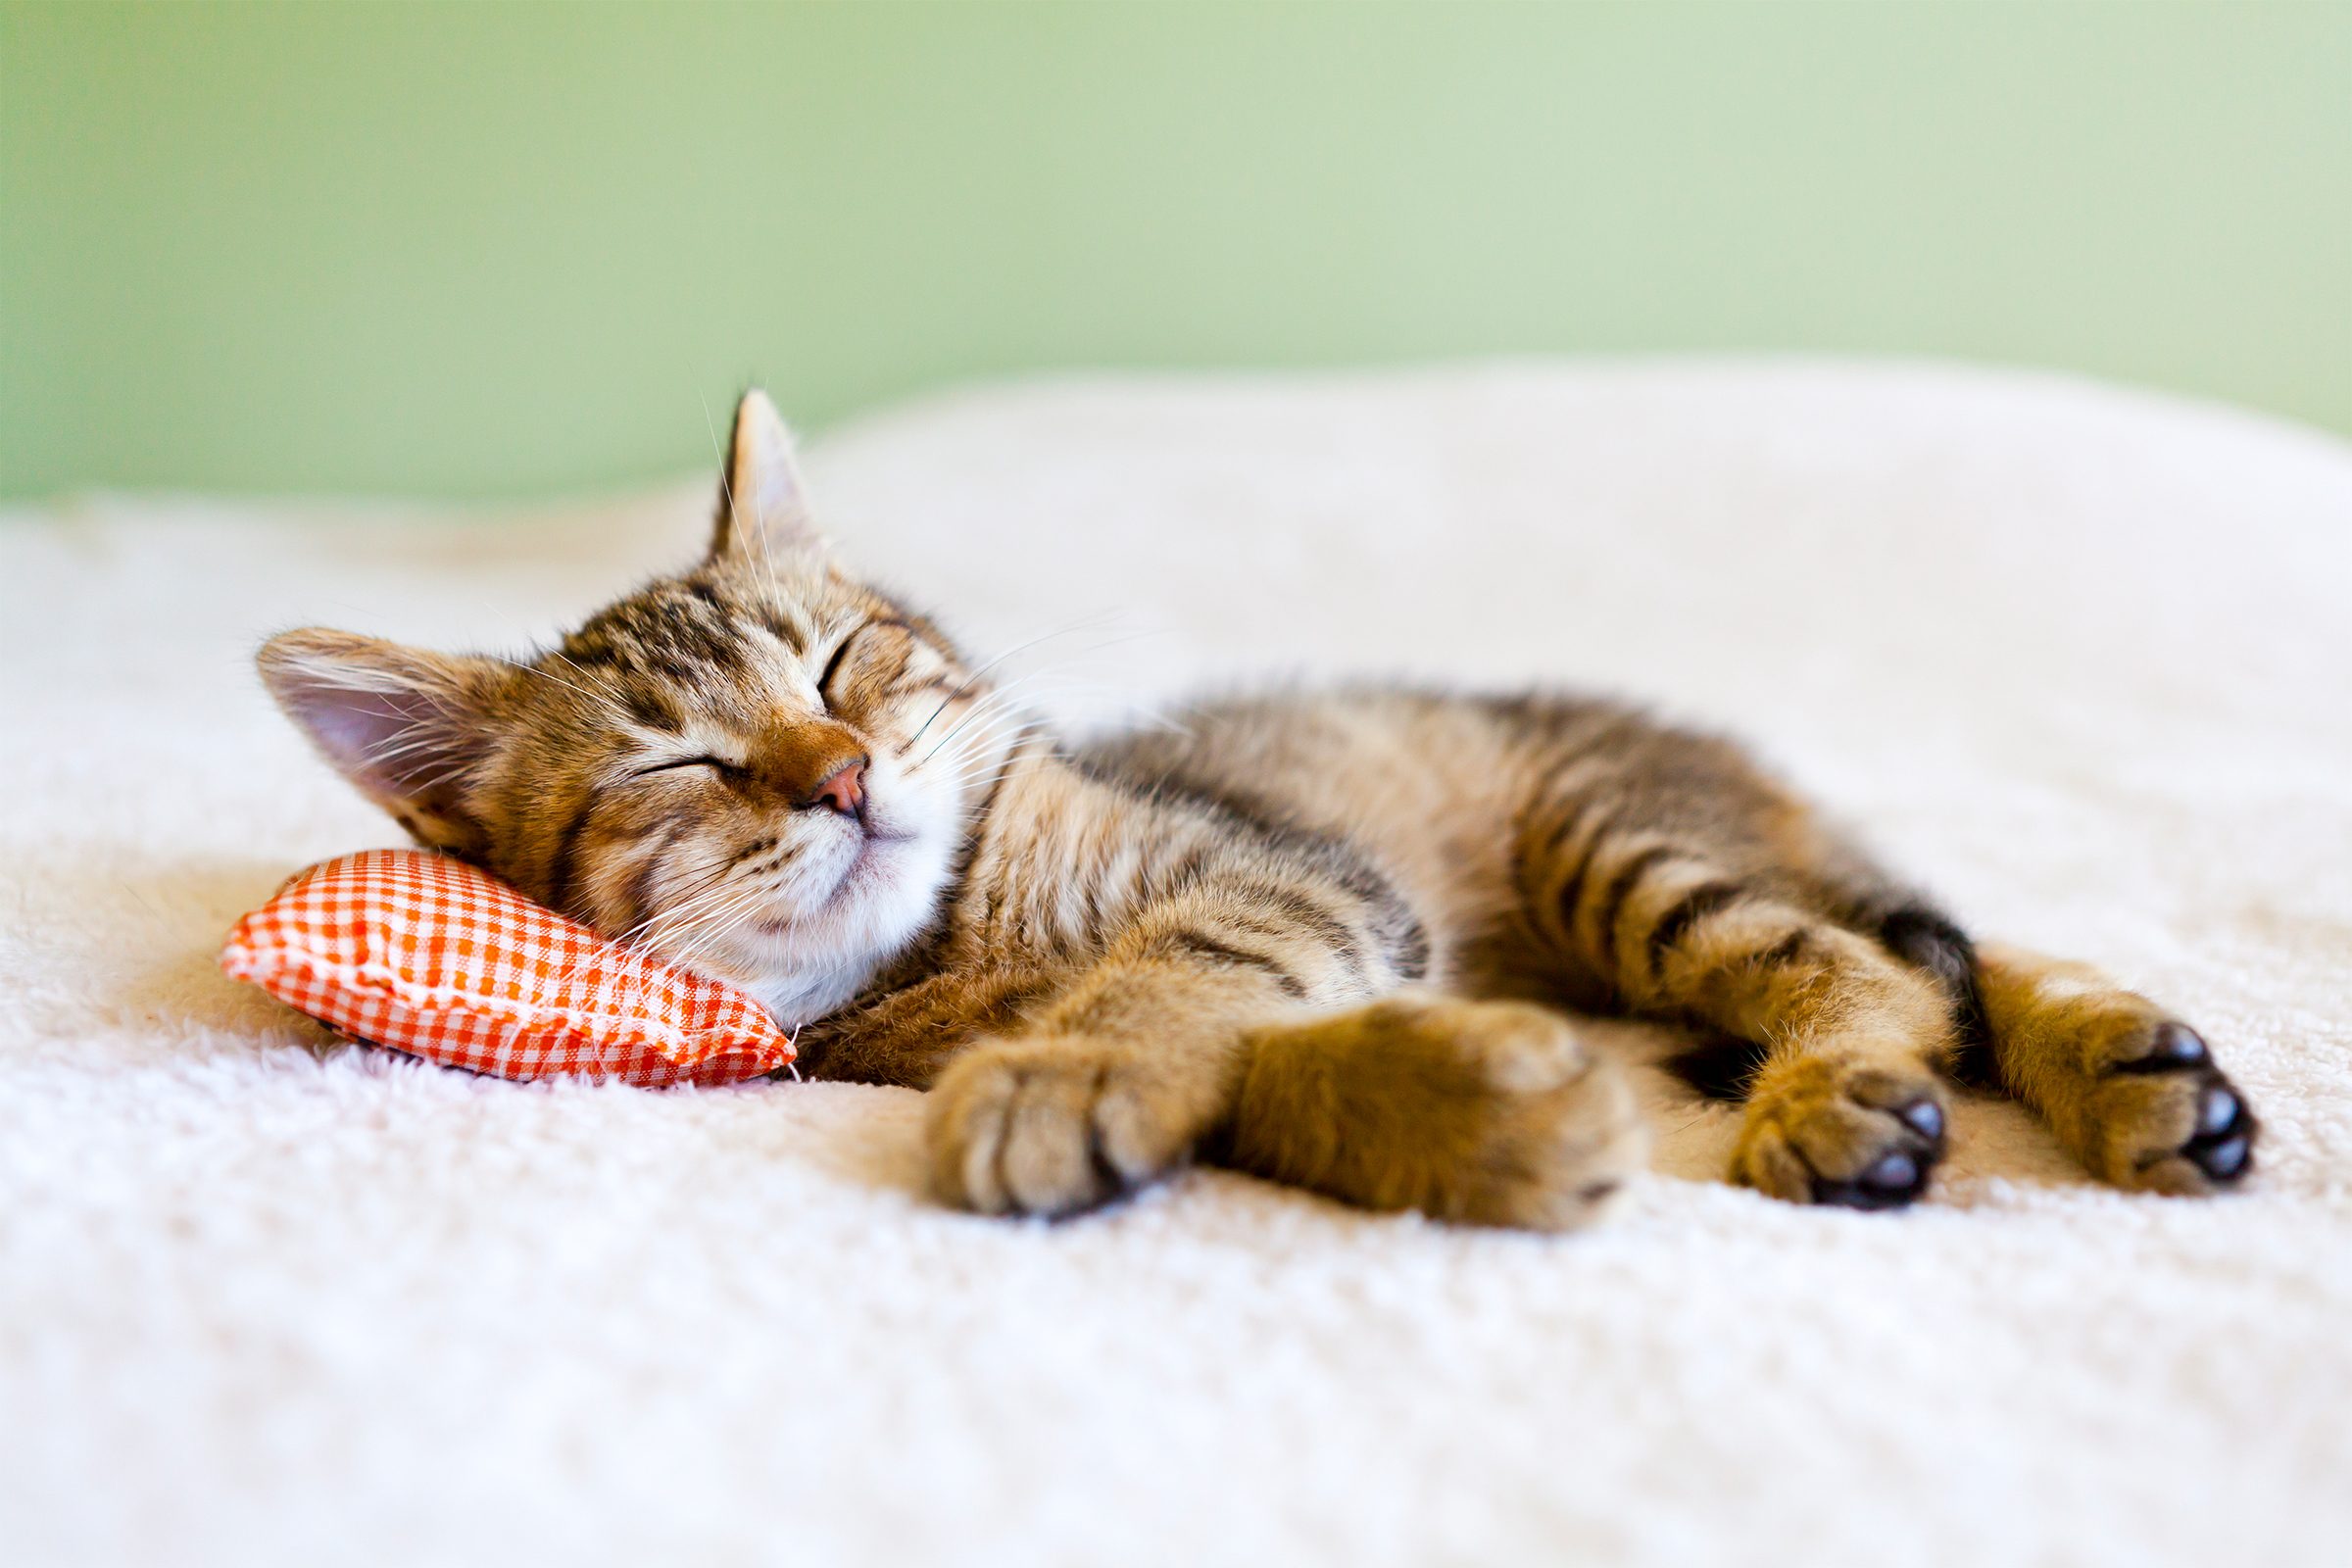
[(484, 251)]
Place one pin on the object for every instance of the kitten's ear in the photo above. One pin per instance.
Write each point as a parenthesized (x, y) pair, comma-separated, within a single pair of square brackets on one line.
[(409, 727), (762, 507)]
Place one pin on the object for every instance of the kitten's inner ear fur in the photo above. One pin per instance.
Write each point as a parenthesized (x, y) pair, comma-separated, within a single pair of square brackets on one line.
[(411, 729), (763, 506)]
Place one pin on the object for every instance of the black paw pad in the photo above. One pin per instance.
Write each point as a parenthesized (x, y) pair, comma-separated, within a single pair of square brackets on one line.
[(2172, 1048), (1892, 1181), (2224, 1144), (1924, 1118), (2226, 1160), (1897, 1174)]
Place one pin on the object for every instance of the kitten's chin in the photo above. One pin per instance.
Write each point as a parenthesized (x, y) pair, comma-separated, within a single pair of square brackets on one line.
[(812, 964)]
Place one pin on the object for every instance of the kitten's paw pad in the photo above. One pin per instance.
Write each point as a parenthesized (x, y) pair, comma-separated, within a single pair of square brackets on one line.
[(2164, 1119), (2168, 1046), (1050, 1127), (1826, 1132)]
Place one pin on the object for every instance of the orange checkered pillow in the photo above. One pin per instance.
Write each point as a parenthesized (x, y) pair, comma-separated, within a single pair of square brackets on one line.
[(429, 955)]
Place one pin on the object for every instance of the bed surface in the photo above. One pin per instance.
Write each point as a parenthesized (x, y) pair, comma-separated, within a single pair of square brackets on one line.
[(2079, 659)]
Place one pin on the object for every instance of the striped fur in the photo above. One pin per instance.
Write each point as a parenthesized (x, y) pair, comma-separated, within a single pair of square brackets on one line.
[(1335, 938)]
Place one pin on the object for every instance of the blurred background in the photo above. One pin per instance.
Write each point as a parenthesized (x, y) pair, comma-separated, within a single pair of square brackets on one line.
[(500, 250)]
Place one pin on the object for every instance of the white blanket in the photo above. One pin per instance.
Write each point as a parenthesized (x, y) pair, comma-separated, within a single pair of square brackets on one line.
[(2080, 659)]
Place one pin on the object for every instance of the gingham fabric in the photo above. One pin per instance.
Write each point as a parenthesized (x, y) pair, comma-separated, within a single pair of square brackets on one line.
[(429, 955)]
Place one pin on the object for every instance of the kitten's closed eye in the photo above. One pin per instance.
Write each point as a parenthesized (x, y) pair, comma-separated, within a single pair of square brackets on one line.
[(880, 661), (677, 764), (824, 682)]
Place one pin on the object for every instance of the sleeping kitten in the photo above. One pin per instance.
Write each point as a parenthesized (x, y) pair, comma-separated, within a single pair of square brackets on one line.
[(1322, 938)]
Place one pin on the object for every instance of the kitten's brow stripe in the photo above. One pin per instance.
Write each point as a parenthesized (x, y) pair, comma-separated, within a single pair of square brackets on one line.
[(652, 709), (784, 631)]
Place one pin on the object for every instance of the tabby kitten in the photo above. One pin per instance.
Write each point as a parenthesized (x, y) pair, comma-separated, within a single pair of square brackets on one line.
[(1324, 938)]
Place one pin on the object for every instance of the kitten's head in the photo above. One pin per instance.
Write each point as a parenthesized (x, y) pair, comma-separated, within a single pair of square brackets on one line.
[(762, 768)]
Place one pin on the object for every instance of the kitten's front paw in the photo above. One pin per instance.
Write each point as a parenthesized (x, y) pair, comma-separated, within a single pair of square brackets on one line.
[(1054, 1125), (1820, 1130)]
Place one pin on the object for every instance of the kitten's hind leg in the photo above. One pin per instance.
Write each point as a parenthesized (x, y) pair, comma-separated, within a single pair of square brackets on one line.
[(1483, 1112), (2130, 1090), (1845, 1104)]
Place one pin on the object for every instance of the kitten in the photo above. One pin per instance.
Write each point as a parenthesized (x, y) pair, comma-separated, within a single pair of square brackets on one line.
[(1325, 938)]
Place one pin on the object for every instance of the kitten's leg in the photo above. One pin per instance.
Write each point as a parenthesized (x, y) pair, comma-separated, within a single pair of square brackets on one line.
[(1214, 1026), (2131, 1091), (1847, 1105), (1117, 1075), (1483, 1112)]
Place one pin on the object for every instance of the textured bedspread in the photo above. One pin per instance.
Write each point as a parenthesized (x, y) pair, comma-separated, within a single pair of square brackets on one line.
[(2080, 659)]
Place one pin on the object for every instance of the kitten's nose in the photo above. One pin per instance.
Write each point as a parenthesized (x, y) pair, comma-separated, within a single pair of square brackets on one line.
[(844, 789)]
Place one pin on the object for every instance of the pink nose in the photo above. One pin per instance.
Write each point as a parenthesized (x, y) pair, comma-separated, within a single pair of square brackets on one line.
[(844, 789)]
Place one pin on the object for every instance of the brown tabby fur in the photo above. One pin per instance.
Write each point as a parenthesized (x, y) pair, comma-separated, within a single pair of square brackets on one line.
[(1331, 938)]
